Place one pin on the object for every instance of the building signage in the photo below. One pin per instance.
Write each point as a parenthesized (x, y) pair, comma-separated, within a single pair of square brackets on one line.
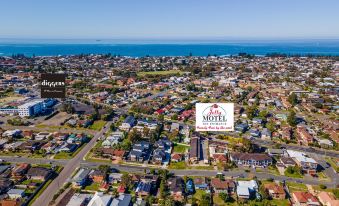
[(53, 85), (214, 117)]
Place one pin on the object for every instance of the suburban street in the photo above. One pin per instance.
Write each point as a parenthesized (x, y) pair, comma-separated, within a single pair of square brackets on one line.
[(46, 128), (69, 168)]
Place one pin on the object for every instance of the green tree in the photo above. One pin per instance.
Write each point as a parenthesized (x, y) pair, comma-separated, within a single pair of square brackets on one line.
[(205, 200), (291, 119), (270, 125), (263, 114), (126, 180), (163, 189), (215, 84), (251, 111), (264, 193), (104, 168), (146, 131), (126, 144), (336, 193), (134, 136), (175, 117), (224, 196), (293, 99), (161, 118)]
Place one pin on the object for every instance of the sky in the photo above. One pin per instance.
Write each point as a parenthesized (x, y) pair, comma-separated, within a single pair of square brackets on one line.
[(172, 19)]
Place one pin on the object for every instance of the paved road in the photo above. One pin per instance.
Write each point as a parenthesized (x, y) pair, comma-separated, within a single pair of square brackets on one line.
[(311, 150), (209, 173), (69, 168), (46, 128)]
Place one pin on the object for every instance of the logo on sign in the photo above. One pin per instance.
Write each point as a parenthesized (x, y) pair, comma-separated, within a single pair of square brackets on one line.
[(53, 85), (214, 117)]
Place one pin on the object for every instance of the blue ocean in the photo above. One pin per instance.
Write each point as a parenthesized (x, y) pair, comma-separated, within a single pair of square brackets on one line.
[(140, 48)]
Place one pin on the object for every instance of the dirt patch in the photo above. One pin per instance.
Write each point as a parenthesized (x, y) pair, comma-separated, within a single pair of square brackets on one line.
[(57, 119)]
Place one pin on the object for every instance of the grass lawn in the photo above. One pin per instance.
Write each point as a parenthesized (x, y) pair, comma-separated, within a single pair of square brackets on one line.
[(43, 165), (268, 202), (98, 160), (37, 156), (97, 125), (182, 165), (293, 175), (40, 191), (12, 154), (180, 148), (63, 155), (177, 165), (284, 202), (332, 163), (293, 186), (93, 187), (209, 167), (168, 72), (322, 176), (198, 194), (26, 182), (317, 187), (217, 200)]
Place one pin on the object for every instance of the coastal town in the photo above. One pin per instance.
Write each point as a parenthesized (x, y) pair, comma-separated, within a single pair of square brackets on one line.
[(125, 132)]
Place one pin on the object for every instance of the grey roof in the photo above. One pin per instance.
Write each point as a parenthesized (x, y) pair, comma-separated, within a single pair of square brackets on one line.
[(3, 168), (130, 120), (122, 200), (83, 173)]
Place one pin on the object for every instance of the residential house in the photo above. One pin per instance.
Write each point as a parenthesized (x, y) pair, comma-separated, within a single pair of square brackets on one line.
[(286, 132), (159, 156), (246, 189), (114, 154), (16, 193), (98, 176), (266, 134), (275, 191), (5, 183), (194, 154), (220, 158), (175, 127), (201, 183), (8, 202), (100, 199), (176, 157), (114, 177), (12, 133), (304, 199), (327, 199), (226, 186), (139, 151), (68, 148), (79, 199), (275, 152), (20, 170), (39, 173), (128, 123), (122, 200), (176, 188), (307, 164), (255, 132), (303, 136), (285, 162), (251, 159), (81, 177), (143, 188), (241, 127)]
